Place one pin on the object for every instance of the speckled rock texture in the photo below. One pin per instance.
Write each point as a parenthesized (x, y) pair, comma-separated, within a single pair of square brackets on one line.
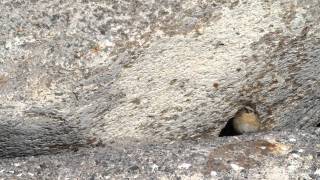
[(168, 75), (275, 155)]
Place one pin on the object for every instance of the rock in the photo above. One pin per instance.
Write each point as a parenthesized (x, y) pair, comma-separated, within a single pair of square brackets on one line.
[(115, 75), (258, 156)]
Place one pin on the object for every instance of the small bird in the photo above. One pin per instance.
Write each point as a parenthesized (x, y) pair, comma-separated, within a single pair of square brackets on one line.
[(246, 120)]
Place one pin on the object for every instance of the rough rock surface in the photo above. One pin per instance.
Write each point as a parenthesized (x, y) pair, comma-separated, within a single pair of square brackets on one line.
[(276, 155), (84, 73)]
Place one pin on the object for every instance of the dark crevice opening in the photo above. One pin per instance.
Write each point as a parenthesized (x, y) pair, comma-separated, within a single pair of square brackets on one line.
[(318, 125), (228, 130)]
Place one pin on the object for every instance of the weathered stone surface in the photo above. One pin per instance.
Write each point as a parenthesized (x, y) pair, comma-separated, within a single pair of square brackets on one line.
[(79, 73), (275, 155)]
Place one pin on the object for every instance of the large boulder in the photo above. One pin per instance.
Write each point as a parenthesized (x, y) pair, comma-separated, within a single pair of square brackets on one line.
[(81, 74), (275, 155)]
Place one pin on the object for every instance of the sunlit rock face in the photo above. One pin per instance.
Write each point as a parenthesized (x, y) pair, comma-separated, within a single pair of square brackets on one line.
[(77, 74)]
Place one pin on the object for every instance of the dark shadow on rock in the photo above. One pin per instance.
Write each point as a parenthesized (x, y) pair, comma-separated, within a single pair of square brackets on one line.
[(228, 130), (39, 139)]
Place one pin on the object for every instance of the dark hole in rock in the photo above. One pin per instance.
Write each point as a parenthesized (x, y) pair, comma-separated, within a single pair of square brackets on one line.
[(228, 130), (134, 168), (318, 125)]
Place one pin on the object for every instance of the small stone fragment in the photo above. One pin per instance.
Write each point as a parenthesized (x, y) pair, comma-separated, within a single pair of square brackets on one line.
[(184, 166), (236, 167)]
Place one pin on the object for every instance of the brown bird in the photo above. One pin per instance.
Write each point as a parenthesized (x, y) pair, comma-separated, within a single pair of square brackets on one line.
[(246, 120)]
